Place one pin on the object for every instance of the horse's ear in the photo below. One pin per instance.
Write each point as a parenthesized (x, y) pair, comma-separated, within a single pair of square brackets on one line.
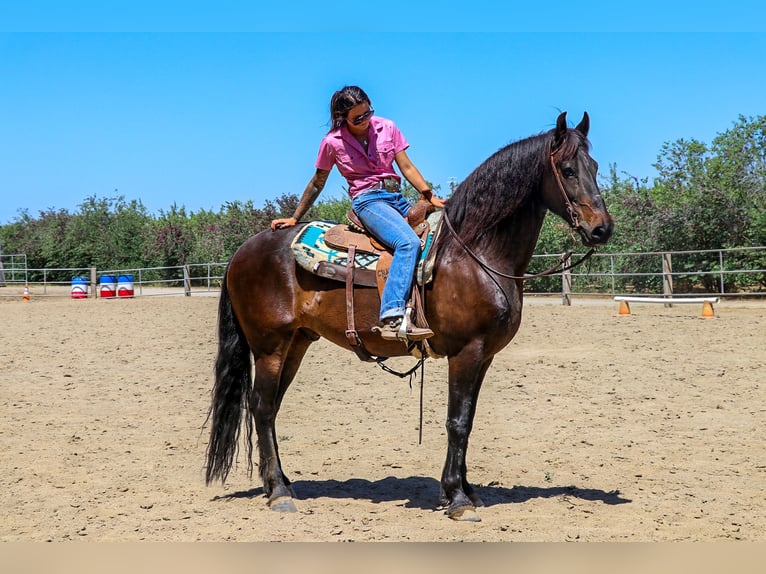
[(561, 130), (584, 124)]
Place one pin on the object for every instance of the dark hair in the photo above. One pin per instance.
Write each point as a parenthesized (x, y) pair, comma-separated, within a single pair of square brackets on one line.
[(342, 101)]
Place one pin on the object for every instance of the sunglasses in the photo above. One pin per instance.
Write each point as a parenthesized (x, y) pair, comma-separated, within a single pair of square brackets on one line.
[(362, 117)]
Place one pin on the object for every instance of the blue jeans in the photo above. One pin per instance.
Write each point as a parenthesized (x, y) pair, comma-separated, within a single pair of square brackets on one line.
[(383, 213)]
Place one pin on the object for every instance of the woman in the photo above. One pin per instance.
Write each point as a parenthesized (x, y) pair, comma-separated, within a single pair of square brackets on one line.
[(365, 147)]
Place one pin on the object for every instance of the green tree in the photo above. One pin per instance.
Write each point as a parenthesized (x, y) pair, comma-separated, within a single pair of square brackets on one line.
[(172, 240), (738, 168), (106, 233), (333, 209), (682, 170), (208, 239)]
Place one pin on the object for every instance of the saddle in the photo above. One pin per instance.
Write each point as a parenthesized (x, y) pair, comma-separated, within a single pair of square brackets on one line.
[(353, 238), (353, 235)]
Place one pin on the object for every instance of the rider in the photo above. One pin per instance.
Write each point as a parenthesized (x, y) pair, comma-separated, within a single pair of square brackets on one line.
[(365, 147)]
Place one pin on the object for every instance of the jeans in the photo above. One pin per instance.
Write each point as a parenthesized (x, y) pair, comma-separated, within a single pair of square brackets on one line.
[(383, 213)]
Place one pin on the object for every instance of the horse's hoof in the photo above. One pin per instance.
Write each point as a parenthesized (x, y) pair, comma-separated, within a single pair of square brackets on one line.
[(464, 514), (283, 504), (477, 502)]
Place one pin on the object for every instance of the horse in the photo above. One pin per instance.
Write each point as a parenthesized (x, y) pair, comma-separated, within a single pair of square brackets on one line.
[(271, 310)]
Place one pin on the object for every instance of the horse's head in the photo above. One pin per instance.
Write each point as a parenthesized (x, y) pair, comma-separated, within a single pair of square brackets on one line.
[(570, 189)]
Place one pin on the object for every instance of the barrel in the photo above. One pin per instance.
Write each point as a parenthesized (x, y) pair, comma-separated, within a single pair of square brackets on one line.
[(79, 287), (125, 286), (108, 286)]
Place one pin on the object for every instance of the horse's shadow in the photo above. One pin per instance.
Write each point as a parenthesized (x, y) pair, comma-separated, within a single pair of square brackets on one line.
[(422, 492)]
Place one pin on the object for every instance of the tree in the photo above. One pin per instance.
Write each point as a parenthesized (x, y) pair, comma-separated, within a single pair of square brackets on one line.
[(172, 240), (738, 167), (681, 166)]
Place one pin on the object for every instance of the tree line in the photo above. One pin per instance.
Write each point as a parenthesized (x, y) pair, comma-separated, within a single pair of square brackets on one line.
[(705, 196)]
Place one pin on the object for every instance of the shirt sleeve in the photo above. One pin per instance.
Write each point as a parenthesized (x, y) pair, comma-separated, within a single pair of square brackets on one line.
[(326, 157), (399, 141)]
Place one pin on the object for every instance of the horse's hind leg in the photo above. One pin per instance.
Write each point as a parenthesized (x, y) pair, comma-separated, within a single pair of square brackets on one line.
[(273, 375)]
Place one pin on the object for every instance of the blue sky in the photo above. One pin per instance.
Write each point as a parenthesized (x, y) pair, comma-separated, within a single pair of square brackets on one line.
[(198, 108)]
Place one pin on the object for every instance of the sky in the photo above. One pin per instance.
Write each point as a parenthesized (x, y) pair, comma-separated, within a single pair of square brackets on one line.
[(196, 104)]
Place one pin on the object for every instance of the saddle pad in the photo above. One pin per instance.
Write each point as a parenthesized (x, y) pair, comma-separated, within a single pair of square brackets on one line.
[(310, 249)]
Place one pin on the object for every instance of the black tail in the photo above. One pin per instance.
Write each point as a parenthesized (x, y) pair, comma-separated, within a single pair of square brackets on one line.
[(231, 393)]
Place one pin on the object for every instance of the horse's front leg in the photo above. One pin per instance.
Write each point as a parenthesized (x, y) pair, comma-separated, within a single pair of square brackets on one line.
[(466, 373)]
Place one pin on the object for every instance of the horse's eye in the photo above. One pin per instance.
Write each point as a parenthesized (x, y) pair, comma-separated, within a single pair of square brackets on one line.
[(569, 172)]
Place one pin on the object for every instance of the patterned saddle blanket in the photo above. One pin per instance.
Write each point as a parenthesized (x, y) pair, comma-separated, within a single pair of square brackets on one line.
[(313, 254)]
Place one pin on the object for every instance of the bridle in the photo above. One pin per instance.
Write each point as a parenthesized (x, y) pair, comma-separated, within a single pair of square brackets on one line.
[(575, 221), (560, 265)]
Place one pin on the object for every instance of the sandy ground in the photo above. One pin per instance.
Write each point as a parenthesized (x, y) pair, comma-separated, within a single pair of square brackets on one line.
[(591, 427)]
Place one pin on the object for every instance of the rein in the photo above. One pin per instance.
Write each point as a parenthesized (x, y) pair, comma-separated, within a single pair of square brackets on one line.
[(558, 267), (420, 364)]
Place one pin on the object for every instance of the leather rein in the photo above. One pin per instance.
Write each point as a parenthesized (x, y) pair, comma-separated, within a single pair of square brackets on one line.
[(558, 267)]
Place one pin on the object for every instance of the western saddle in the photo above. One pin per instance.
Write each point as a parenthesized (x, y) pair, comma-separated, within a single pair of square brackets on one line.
[(354, 238)]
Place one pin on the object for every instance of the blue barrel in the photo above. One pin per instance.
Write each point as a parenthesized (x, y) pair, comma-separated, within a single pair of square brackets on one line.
[(108, 286), (79, 287), (125, 286)]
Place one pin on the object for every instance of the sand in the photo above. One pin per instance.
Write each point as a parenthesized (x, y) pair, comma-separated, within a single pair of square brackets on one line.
[(590, 427)]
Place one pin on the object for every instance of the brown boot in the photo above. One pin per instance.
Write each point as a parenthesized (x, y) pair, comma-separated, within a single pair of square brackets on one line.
[(392, 331)]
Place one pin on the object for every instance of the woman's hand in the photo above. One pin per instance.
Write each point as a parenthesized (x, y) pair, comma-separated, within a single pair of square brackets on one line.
[(437, 202), (283, 223)]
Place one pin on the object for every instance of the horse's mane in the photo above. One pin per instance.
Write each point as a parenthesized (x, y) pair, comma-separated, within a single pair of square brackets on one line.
[(505, 180)]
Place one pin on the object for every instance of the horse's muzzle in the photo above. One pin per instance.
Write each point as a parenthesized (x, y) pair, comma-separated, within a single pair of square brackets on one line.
[(598, 234)]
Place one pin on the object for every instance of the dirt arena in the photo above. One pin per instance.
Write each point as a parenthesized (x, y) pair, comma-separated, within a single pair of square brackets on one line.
[(591, 427)]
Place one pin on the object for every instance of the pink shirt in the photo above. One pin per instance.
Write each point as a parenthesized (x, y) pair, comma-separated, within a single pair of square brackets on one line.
[(361, 169)]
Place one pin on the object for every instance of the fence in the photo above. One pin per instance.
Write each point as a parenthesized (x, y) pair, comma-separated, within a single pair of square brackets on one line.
[(12, 268), (147, 281), (722, 272)]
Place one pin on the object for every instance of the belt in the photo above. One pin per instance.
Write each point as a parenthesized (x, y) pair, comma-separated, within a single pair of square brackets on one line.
[(389, 184)]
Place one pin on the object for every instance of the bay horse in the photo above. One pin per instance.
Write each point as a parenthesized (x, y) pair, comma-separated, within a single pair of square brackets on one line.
[(270, 309)]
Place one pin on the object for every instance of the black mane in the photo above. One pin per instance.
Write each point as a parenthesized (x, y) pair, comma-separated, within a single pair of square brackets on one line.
[(495, 189)]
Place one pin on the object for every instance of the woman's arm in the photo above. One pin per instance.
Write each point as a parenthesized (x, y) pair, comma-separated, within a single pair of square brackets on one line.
[(412, 174), (312, 191)]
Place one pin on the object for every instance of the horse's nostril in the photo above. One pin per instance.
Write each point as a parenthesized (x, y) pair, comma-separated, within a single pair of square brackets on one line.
[(596, 232), (600, 233)]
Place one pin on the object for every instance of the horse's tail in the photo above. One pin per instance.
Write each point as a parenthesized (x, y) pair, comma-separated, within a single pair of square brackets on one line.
[(230, 395)]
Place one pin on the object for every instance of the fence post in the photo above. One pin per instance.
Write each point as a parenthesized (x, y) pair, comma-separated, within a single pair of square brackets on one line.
[(667, 277), (566, 284), (187, 281), (93, 282), (720, 262)]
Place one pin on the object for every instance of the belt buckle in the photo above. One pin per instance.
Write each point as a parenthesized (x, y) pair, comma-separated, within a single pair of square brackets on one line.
[(389, 184)]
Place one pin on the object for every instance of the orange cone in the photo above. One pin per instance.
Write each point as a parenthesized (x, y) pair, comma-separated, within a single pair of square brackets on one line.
[(707, 309), (624, 308), (25, 297)]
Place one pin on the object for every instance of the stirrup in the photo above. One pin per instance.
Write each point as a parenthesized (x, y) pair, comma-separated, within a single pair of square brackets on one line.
[(402, 329)]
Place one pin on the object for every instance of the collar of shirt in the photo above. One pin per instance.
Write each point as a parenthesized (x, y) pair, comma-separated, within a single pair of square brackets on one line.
[(344, 133)]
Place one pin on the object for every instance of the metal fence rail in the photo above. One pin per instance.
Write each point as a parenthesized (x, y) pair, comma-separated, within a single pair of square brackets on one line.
[(186, 280), (736, 272), (723, 272)]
